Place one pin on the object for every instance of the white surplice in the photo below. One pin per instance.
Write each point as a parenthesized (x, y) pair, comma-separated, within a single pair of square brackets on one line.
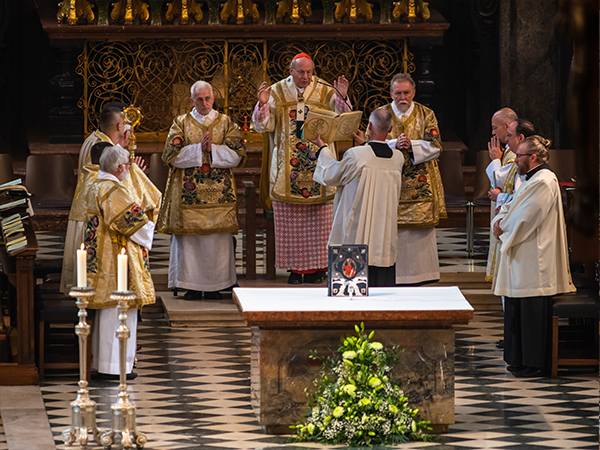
[(366, 201), (203, 262), (534, 259)]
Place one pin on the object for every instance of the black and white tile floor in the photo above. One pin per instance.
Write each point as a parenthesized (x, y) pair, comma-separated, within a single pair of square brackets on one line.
[(193, 392), (193, 388)]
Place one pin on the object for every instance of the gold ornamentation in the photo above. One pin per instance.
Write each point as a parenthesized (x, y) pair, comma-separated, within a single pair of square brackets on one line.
[(412, 9), (129, 10), (294, 9), (83, 409), (240, 10), (353, 9), (184, 9), (156, 75), (132, 116), (73, 10), (123, 411)]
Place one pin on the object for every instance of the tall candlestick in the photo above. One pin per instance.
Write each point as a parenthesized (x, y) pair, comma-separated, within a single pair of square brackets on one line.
[(122, 271), (82, 267)]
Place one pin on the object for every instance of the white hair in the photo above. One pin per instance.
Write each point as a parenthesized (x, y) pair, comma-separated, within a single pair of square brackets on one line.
[(112, 157), (200, 85)]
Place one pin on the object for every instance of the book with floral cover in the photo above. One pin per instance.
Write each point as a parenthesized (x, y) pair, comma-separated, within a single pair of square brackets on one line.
[(348, 270)]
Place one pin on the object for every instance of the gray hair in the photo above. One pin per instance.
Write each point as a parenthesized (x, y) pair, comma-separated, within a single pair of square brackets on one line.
[(381, 120), (112, 158), (293, 62), (399, 78), (200, 85)]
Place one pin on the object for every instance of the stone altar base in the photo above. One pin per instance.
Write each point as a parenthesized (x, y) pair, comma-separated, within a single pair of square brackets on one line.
[(282, 370)]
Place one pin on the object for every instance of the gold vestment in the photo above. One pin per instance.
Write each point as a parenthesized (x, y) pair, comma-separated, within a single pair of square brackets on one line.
[(112, 218), (200, 200), (295, 159), (422, 198)]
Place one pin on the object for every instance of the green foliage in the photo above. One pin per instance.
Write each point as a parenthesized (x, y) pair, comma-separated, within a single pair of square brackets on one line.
[(355, 402)]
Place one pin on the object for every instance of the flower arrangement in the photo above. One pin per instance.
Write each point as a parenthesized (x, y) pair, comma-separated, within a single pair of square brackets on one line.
[(356, 403)]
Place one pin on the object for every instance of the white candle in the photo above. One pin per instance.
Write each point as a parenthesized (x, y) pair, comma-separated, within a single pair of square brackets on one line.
[(82, 267), (122, 271)]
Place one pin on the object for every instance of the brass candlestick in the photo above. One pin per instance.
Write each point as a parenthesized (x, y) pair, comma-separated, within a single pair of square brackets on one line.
[(83, 410), (123, 411)]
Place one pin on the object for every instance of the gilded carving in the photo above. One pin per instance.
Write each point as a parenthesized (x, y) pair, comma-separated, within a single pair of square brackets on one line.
[(129, 10), (411, 9), (240, 10), (353, 9), (294, 9), (184, 9), (73, 10)]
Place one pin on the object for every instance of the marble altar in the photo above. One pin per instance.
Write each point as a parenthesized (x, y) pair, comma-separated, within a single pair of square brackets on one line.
[(288, 323)]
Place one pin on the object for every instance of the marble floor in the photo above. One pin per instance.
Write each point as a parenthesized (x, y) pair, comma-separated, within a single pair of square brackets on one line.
[(193, 388)]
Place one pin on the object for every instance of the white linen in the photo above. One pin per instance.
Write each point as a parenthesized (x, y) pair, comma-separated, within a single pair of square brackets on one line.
[(417, 250), (424, 298), (105, 345), (534, 258), (202, 262), (366, 201)]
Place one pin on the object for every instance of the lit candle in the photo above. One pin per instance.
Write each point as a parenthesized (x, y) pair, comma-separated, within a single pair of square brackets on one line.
[(122, 271), (82, 267)]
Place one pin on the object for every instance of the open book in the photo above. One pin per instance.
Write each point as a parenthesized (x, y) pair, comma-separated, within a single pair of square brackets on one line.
[(332, 126)]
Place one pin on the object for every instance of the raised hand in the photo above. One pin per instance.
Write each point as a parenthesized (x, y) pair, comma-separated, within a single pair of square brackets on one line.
[(359, 136), (318, 141), (264, 93), (495, 148), (140, 163), (341, 84)]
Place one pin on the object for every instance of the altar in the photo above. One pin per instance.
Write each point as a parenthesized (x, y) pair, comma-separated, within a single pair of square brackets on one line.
[(289, 323)]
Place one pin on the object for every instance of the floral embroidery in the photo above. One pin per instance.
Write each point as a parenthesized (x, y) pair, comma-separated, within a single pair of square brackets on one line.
[(207, 185), (91, 242), (145, 258), (172, 147), (293, 114), (205, 168), (422, 179), (130, 219), (294, 162)]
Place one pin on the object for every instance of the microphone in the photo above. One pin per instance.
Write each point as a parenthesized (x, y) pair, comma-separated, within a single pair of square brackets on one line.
[(319, 81)]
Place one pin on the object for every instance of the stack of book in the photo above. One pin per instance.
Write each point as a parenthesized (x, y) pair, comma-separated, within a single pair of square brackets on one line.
[(15, 207)]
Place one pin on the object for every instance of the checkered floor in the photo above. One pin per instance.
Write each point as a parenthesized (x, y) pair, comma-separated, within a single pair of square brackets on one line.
[(193, 392), (451, 250)]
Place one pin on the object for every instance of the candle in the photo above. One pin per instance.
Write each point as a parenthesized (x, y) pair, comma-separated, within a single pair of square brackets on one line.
[(122, 271), (82, 267)]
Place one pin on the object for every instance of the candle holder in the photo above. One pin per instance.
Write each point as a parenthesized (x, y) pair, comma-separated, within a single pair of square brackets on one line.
[(83, 410), (123, 411)]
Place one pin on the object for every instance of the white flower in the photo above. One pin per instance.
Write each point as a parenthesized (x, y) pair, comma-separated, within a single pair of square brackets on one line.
[(349, 354)]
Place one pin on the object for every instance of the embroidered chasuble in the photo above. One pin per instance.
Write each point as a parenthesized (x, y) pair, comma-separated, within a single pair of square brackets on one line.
[(422, 199), (112, 218), (508, 158), (85, 156), (202, 199), (289, 162)]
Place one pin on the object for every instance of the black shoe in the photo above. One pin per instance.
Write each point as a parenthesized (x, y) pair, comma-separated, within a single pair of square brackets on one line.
[(138, 347), (500, 344), (312, 278), (113, 377), (295, 278), (193, 295), (213, 295), (513, 369), (531, 372)]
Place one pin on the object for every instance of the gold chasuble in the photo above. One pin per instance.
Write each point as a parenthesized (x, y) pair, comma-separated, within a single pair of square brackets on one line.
[(422, 197), (289, 163), (200, 200), (112, 218)]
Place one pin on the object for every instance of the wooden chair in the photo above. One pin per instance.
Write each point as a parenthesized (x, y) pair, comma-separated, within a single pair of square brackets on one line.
[(580, 337), (6, 168), (482, 182), (451, 171), (562, 163), (158, 172), (51, 180)]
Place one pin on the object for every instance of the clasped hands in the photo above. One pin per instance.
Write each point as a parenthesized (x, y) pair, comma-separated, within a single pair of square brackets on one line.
[(403, 143)]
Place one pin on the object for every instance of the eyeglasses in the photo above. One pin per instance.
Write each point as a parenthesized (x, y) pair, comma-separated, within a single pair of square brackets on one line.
[(518, 155)]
